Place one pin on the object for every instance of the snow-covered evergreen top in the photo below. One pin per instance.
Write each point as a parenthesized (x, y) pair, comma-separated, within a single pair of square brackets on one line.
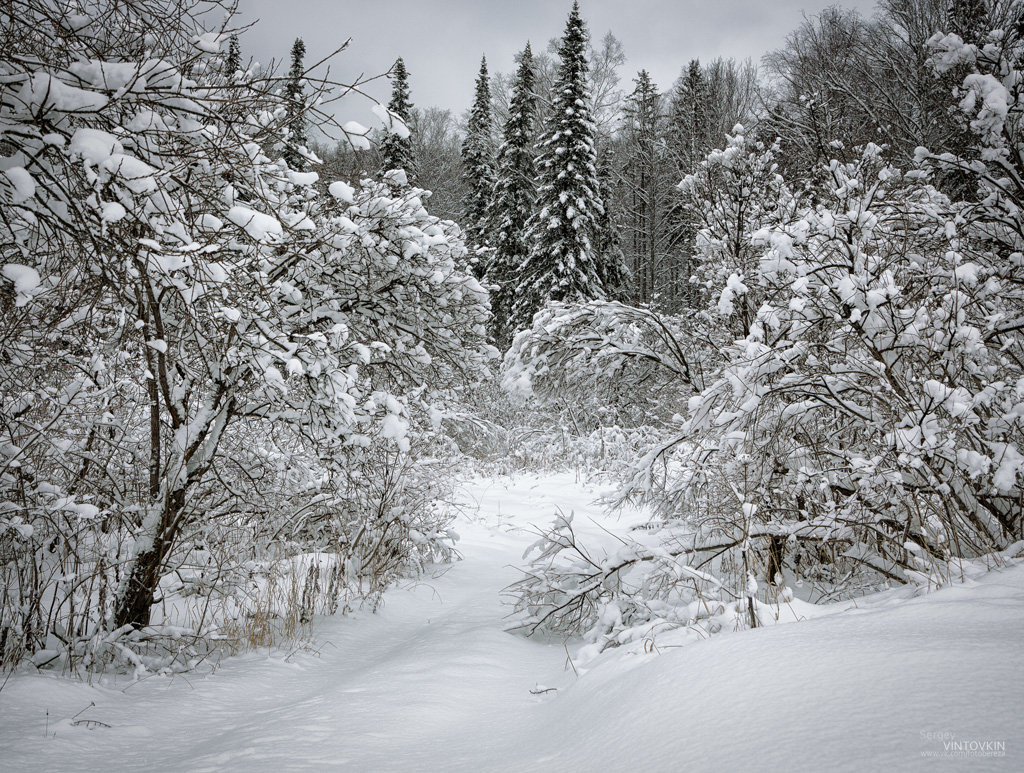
[(478, 160), (396, 147), (513, 199), (563, 264)]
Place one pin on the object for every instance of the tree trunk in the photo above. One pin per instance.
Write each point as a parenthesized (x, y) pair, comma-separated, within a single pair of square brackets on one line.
[(135, 601), (776, 547)]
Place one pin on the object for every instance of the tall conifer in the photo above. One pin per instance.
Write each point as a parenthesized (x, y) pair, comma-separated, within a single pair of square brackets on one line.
[(233, 61), (513, 199), (649, 187), (477, 160), (396, 151), (689, 140), (563, 263), (295, 109)]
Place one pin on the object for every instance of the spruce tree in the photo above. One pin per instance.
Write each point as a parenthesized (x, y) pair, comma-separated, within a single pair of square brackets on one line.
[(649, 181), (513, 198), (689, 141), (563, 263), (689, 118), (477, 155), (396, 152), (233, 61), (295, 109), (611, 264)]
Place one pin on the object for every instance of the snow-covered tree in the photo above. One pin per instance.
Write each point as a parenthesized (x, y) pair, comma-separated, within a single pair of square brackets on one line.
[(873, 375), (860, 421), (611, 266), (731, 197), (969, 20), (648, 184), (689, 120), (865, 426), (396, 150), (512, 200), (194, 339), (294, 149), (233, 60), (605, 358), (563, 263), (687, 141), (478, 162)]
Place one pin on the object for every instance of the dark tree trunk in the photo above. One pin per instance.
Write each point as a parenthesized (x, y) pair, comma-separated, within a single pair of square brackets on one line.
[(136, 602), (776, 551)]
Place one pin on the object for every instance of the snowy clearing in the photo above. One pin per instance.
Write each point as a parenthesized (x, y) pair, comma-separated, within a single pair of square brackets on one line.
[(432, 682)]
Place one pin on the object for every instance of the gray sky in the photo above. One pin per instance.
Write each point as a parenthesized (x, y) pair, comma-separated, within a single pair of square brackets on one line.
[(442, 40)]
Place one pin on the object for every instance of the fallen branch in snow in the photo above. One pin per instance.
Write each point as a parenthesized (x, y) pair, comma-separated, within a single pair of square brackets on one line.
[(664, 579)]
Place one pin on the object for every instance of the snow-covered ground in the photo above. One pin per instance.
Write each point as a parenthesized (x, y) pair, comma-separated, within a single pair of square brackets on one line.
[(433, 683)]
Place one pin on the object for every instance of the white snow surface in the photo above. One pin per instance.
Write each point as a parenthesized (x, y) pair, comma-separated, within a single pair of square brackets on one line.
[(22, 184), (259, 226), (433, 683), (392, 122), (342, 191), (26, 281)]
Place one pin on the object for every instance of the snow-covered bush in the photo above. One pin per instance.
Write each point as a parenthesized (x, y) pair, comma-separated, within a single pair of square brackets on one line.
[(734, 194), (195, 341), (609, 362), (655, 579), (864, 423), (597, 379), (865, 398)]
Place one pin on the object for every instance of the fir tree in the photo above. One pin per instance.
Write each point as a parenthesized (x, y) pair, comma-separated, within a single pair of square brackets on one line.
[(689, 141), (396, 151), (295, 109), (563, 263), (477, 154), (512, 202), (233, 62), (689, 118), (611, 265), (650, 183)]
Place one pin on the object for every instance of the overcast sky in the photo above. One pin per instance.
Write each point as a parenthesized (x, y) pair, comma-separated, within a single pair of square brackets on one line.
[(442, 40)]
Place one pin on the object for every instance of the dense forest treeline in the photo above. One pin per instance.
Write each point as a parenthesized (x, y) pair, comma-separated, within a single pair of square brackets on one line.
[(840, 77)]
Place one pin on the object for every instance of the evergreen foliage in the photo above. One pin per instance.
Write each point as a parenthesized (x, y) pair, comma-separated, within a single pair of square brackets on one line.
[(607, 239), (295, 110), (649, 182), (233, 62), (477, 154), (396, 151), (688, 142), (513, 198), (690, 116), (564, 263)]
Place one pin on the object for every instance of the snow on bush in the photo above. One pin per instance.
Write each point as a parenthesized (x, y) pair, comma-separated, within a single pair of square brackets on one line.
[(200, 349), (861, 419)]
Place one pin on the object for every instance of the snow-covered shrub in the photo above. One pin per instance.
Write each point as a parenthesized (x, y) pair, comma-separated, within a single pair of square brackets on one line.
[(196, 342), (733, 194), (594, 382), (864, 423), (603, 360), (657, 578)]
